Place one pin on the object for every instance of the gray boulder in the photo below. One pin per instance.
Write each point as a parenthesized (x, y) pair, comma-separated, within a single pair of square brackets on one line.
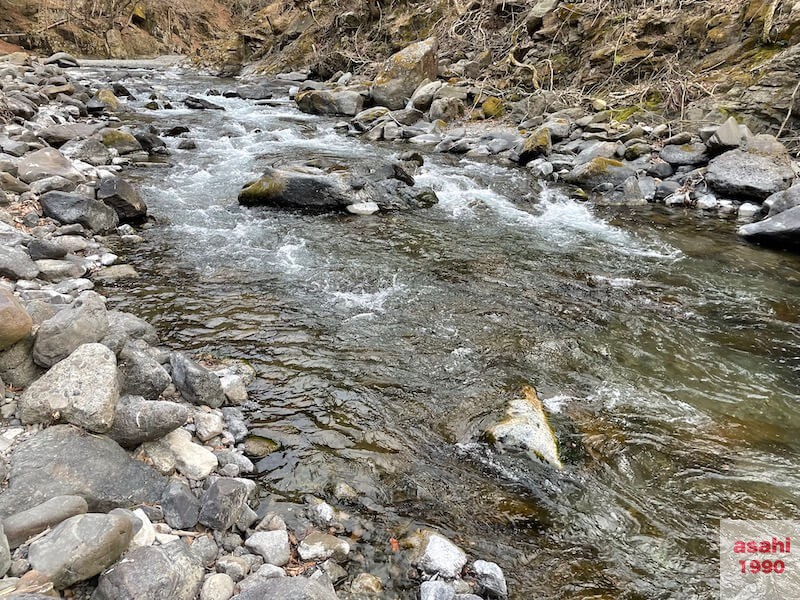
[(742, 174), (16, 264), (80, 548), (196, 383), (85, 321), (123, 198), (153, 573), (272, 546), (28, 523), (324, 102), (82, 389), (138, 420), (39, 249), (124, 327), (403, 72), (58, 135), (297, 187), (321, 546), (289, 588), (598, 172), (46, 163), (781, 201), (64, 460), (71, 208), (223, 503), (62, 59), (91, 151), (781, 230), (140, 373), (685, 154)]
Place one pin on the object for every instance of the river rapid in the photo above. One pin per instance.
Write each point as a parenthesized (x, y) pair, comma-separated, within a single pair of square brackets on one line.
[(666, 352)]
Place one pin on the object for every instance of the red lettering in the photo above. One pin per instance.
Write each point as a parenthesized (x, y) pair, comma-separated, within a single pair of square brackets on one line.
[(779, 567), (755, 566), (752, 547), (738, 547)]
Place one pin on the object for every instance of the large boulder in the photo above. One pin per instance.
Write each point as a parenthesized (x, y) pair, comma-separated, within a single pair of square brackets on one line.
[(85, 321), (122, 141), (783, 200), (781, 230), (140, 372), (525, 427), (153, 573), (403, 72), (598, 172), (82, 389), (63, 460), (757, 172), (123, 198), (324, 102), (91, 151), (80, 548), (57, 135), (15, 322), (138, 420), (72, 208), (47, 162), (223, 503)]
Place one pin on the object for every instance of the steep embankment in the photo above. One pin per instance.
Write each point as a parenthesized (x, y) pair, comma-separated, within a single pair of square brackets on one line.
[(115, 28), (683, 58)]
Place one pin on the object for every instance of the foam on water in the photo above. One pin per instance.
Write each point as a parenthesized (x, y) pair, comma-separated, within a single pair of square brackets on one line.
[(372, 300)]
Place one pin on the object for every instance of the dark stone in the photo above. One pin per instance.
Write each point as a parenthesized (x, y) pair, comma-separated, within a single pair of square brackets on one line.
[(176, 131), (138, 420), (140, 373), (781, 230), (180, 506), (71, 208), (151, 143), (196, 383), (223, 503), (39, 249), (64, 460), (123, 198), (201, 104)]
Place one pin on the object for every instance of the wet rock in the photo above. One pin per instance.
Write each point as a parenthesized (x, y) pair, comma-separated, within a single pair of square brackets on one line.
[(363, 208), (525, 427), (297, 187), (16, 264), (181, 507), (177, 451), (201, 104), (491, 581), (151, 143), (63, 460), (435, 554), (15, 322), (436, 590), (272, 546), (254, 92), (223, 503), (47, 162), (137, 420), (781, 230), (84, 322), (289, 588), (321, 546), (599, 172), (196, 383), (781, 201), (403, 72), (742, 174), (153, 573), (218, 586), (123, 198), (122, 141), (140, 373), (72, 208), (324, 102), (80, 548), (82, 389), (365, 583)]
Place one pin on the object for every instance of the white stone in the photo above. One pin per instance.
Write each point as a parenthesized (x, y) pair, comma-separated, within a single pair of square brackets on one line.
[(166, 538), (437, 554), (192, 460), (234, 387), (748, 210), (363, 208), (490, 578), (218, 586), (208, 425), (146, 535), (108, 259), (707, 202), (273, 546)]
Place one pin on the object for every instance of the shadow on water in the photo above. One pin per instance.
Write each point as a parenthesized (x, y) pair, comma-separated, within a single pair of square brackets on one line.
[(666, 350)]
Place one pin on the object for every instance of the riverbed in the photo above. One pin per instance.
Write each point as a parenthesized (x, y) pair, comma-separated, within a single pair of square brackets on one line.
[(665, 350)]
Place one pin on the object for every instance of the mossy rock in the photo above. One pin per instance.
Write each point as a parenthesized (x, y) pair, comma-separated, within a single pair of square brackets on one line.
[(493, 107), (258, 446), (623, 114), (121, 141), (263, 190), (107, 97), (539, 143)]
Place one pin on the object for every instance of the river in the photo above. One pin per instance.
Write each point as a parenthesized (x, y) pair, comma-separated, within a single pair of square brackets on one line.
[(666, 352)]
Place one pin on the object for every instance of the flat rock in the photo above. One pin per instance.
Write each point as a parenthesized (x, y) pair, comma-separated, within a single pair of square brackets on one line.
[(80, 548), (201, 104), (324, 102), (153, 573), (28, 523), (59, 270), (85, 321), (741, 174), (321, 546), (685, 154), (63, 460), (72, 208), (289, 588), (46, 163), (57, 135), (137, 420), (781, 230), (15, 322), (46, 249)]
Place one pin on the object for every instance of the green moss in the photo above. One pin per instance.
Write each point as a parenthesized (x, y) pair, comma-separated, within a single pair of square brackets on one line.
[(600, 165), (623, 114), (259, 446), (262, 190), (114, 138), (493, 107)]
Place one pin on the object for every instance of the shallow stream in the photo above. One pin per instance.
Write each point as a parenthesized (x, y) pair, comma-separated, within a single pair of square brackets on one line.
[(665, 350)]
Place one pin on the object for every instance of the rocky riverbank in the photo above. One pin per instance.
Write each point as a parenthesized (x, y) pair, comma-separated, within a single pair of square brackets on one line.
[(126, 465)]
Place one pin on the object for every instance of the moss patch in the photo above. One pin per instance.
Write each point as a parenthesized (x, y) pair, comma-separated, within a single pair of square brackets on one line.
[(263, 190)]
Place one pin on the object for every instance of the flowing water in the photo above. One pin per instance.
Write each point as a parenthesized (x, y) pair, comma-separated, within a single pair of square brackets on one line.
[(666, 352)]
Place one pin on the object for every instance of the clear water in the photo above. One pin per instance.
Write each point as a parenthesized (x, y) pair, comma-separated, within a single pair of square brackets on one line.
[(665, 349)]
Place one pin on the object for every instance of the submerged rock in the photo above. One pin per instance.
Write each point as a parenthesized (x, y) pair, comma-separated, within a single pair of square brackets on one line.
[(526, 428)]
